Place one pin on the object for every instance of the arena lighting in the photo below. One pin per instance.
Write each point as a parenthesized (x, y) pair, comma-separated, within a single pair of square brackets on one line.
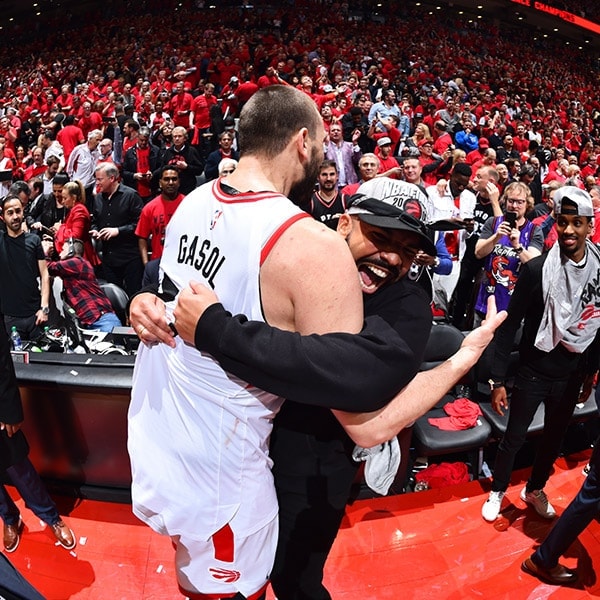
[(561, 14)]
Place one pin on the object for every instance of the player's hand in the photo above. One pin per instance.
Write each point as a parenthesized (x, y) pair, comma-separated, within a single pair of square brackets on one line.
[(191, 304), (148, 318), (478, 340)]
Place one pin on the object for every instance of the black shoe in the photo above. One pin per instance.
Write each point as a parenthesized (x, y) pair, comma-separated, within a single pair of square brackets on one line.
[(558, 575), (12, 535)]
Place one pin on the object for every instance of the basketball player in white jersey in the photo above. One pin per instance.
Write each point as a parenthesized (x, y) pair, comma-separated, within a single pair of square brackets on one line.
[(197, 437)]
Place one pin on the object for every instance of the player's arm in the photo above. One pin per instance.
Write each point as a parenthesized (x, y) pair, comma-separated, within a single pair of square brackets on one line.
[(370, 429), (309, 282)]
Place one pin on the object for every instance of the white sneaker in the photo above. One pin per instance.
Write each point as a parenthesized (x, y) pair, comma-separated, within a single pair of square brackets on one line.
[(539, 501), (491, 507)]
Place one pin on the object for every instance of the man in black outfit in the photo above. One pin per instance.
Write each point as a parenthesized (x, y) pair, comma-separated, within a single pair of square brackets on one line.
[(117, 209), (22, 262), (487, 195), (140, 165), (15, 464), (225, 150), (186, 158), (557, 297), (312, 454)]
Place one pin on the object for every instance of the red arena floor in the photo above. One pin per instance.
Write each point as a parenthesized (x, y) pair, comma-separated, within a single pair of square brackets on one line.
[(430, 544)]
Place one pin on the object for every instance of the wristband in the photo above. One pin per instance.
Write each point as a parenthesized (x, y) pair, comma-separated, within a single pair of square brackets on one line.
[(494, 385)]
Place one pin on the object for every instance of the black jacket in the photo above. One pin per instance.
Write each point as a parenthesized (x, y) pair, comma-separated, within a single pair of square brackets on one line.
[(527, 306), (194, 168)]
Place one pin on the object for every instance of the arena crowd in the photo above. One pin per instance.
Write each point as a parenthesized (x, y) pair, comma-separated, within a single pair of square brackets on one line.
[(162, 84)]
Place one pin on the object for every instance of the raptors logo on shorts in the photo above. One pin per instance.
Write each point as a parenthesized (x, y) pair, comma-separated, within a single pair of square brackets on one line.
[(224, 575)]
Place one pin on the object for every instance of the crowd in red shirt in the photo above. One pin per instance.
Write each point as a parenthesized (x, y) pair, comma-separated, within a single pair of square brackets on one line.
[(170, 53)]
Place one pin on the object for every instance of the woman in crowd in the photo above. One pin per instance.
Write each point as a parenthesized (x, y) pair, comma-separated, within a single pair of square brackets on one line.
[(78, 222)]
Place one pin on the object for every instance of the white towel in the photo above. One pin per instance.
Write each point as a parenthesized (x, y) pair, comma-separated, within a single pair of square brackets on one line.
[(382, 462)]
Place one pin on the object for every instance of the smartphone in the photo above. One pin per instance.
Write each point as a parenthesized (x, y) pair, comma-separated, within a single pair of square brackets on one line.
[(511, 219)]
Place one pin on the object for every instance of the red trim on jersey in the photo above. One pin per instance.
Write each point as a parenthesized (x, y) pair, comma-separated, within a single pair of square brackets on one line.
[(329, 204), (223, 543), (278, 233), (199, 596), (221, 196)]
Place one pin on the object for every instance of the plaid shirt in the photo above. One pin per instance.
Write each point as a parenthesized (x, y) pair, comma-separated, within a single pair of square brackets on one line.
[(81, 288)]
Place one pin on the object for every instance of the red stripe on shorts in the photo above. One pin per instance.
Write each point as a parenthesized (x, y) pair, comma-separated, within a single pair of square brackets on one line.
[(223, 543)]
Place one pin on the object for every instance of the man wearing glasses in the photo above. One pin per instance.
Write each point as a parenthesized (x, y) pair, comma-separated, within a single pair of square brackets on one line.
[(506, 243)]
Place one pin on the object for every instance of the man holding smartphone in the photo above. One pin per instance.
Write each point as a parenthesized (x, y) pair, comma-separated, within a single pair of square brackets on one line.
[(506, 242)]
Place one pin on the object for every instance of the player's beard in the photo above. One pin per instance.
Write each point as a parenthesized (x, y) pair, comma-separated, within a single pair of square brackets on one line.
[(300, 192)]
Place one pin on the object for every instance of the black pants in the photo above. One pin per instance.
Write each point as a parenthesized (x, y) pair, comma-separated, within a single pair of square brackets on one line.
[(26, 327), (313, 478), (559, 398), (578, 515), (127, 276), (463, 293)]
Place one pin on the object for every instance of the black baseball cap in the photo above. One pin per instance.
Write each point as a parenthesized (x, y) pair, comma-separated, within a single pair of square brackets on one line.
[(387, 216)]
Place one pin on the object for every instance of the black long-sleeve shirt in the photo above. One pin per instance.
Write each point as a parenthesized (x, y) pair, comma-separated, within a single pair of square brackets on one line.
[(527, 303), (356, 373), (121, 210)]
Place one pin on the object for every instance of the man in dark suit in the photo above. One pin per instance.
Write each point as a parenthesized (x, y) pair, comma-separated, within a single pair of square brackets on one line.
[(16, 466)]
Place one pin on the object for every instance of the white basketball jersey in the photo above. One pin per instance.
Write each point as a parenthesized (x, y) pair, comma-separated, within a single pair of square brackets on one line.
[(198, 437)]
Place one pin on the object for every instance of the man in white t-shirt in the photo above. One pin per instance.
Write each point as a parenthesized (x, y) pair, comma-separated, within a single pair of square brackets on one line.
[(455, 202)]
